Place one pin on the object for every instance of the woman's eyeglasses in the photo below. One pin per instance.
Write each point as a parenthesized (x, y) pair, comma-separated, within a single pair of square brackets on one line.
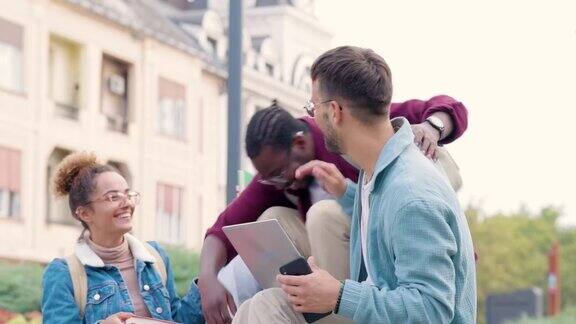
[(117, 196)]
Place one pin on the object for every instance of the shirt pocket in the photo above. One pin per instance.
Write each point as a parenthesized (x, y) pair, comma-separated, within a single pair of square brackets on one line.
[(100, 303)]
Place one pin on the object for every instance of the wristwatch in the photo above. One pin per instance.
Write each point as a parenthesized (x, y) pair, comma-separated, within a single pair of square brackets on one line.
[(437, 124)]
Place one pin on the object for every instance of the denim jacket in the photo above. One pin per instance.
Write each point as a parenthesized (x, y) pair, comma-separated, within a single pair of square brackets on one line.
[(108, 293)]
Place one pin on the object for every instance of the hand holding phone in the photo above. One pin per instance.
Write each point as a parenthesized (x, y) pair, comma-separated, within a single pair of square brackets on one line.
[(300, 267)]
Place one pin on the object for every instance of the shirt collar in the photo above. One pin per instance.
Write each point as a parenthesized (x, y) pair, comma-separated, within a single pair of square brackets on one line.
[(88, 257), (402, 138)]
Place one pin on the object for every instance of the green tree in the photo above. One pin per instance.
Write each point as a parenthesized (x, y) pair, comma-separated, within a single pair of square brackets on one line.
[(568, 266), (513, 252)]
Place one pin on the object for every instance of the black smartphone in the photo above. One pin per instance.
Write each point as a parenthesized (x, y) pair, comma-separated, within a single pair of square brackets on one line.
[(300, 267)]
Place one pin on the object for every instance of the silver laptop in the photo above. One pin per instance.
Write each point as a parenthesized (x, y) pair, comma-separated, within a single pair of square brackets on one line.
[(264, 246)]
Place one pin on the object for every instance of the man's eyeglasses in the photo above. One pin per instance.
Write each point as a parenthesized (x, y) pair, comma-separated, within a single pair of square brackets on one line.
[(275, 180), (279, 180), (310, 106), (117, 196)]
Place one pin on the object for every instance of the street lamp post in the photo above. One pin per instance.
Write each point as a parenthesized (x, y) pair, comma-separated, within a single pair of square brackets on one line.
[(234, 95)]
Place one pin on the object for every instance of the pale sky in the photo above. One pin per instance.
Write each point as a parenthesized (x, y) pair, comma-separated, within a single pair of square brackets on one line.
[(512, 63)]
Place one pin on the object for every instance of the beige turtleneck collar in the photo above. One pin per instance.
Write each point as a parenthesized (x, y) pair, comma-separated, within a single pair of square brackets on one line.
[(122, 258)]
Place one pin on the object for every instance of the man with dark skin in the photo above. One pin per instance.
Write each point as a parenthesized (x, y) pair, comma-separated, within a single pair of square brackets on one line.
[(278, 144), (411, 257)]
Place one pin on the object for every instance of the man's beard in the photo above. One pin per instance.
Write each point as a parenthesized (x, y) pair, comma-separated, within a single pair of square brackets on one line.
[(332, 141)]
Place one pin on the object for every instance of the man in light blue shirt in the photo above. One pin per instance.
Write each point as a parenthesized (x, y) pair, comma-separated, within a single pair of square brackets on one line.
[(411, 253)]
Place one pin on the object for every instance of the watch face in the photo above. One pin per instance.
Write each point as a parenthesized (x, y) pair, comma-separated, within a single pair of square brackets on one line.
[(436, 122)]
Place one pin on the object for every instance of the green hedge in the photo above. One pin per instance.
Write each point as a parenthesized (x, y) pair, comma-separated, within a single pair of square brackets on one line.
[(185, 265), (20, 286)]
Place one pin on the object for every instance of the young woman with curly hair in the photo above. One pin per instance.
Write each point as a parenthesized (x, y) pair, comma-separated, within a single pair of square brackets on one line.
[(122, 276)]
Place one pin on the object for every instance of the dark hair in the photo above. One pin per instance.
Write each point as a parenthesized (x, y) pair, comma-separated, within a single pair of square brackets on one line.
[(272, 126), (357, 75), (75, 177)]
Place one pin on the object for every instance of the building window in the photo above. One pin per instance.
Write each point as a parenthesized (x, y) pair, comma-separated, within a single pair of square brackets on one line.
[(11, 56), (213, 43), (171, 108), (187, 4), (58, 208), (65, 77), (201, 126), (9, 183), (169, 213), (270, 69), (115, 85)]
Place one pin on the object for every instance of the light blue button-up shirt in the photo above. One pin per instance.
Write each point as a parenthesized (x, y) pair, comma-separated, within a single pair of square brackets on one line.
[(420, 253)]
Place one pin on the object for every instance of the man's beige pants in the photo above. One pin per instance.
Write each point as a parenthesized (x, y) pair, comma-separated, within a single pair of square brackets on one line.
[(326, 236)]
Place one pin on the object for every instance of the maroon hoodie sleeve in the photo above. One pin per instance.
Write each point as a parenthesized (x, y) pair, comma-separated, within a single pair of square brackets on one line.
[(247, 207), (416, 111)]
